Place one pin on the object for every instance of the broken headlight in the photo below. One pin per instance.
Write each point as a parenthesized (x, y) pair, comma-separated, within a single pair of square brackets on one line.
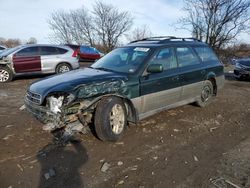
[(68, 99), (55, 103)]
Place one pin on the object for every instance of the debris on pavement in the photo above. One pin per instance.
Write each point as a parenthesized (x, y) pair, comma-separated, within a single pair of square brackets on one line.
[(20, 167), (120, 182), (22, 108), (49, 174), (155, 158), (176, 130), (8, 136), (102, 160), (133, 168), (105, 167), (9, 126), (213, 128), (221, 183), (196, 158), (119, 163)]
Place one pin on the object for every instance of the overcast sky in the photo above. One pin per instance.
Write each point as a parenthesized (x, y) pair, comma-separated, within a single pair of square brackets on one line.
[(28, 18)]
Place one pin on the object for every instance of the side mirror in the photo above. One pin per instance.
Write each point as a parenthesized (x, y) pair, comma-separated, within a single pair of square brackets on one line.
[(155, 68)]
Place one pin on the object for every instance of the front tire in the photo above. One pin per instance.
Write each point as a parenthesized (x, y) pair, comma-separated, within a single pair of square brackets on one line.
[(63, 67), (110, 119), (207, 93), (6, 74)]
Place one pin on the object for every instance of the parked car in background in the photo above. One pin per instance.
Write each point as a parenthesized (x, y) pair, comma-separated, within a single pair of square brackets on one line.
[(128, 84), (36, 59), (88, 53), (242, 69), (2, 48)]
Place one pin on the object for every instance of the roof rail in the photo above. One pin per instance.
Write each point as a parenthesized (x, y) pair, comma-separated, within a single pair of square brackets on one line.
[(163, 39)]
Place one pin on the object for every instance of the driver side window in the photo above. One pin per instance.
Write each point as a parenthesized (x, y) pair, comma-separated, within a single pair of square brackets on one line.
[(165, 57)]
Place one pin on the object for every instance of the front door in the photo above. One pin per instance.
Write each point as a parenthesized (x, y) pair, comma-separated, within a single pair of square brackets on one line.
[(159, 90), (27, 60)]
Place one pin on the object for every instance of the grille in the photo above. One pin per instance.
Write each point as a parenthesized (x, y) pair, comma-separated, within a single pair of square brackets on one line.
[(34, 97)]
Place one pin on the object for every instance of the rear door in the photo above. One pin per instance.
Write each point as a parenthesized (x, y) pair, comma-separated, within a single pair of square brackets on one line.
[(161, 89), (27, 60), (191, 71), (50, 56)]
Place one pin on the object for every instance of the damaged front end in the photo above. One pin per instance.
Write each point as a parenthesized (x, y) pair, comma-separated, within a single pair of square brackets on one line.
[(71, 112)]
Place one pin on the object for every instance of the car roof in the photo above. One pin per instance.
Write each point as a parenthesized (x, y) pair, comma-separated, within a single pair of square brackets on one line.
[(166, 40), (47, 45)]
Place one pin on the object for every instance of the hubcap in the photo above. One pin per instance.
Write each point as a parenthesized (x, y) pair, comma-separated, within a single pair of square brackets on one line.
[(64, 68), (4, 75), (117, 119), (206, 93)]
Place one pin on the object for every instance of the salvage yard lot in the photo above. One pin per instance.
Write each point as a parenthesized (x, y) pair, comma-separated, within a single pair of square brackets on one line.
[(183, 147)]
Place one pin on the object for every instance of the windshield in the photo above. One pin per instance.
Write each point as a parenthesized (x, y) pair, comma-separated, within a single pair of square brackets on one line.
[(123, 60), (9, 51)]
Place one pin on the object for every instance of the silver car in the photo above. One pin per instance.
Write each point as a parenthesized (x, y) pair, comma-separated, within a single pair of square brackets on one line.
[(36, 59)]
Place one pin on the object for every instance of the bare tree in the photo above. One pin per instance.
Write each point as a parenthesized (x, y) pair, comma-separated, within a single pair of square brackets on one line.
[(139, 33), (110, 24), (216, 22), (101, 27), (2, 41), (10, 43), (61, 24), (32, 40), (82, 28)]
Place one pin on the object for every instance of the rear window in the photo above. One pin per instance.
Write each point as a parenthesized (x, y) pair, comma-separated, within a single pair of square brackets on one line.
[(206, 54), (186, 57), (61, 50)]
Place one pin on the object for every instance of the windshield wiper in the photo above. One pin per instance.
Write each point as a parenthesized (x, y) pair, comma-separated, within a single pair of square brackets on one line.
[(104, 69)]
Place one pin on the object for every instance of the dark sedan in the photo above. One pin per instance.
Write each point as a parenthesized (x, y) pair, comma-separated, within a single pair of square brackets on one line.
[(242, 69)]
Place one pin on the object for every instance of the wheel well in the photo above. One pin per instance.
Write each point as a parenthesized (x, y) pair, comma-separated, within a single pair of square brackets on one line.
[(213, 81), (63, 63), (132, 113)]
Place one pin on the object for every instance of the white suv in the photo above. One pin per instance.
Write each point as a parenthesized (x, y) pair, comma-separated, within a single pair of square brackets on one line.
[(36, 59)]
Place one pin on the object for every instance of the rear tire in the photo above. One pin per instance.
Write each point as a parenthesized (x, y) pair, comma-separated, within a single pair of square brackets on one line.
[(207, 93), (63, 67), (110, 119), (6, 75)]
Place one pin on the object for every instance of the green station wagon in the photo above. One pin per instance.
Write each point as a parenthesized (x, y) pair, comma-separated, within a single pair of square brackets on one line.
[(128, 84)]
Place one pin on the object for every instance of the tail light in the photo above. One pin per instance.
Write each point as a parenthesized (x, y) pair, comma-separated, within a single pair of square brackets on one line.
[(75, 53)]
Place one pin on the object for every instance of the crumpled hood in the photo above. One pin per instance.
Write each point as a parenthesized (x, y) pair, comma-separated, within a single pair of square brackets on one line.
[(67, 82)]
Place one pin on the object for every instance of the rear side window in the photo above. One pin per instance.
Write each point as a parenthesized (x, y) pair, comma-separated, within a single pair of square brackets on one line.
[(48, 50), (2, 48), (186, 57), (61, 50), (29, 51), (206, 54)]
